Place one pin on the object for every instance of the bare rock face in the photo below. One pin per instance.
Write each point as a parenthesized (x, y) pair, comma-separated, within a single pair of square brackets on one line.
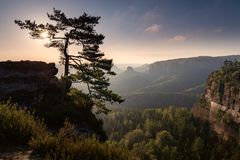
[(26, 81), (222, 101), (223, 90)]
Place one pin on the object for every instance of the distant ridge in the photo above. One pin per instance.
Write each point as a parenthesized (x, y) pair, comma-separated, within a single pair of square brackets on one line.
[(177, 80), (199, 57)]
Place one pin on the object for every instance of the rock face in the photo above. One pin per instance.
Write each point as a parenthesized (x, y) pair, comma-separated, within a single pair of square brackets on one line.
[(223, 89), (25, 81), (222, 100)]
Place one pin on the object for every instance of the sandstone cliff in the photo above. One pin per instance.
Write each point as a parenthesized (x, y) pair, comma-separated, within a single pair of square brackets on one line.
[(221, 103), (26, 81)]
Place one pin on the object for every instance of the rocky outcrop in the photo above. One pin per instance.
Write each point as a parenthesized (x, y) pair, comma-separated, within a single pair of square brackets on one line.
[(221, 105), (26, 81)]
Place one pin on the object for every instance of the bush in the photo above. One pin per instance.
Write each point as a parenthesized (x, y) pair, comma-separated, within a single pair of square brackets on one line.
[(219, 115), (18, 126), (68, 145), (226, 119), (77, 107)]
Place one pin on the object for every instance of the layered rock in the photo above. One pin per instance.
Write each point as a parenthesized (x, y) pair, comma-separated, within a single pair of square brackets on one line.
[(221, 103), (223, 90), (26, 81)]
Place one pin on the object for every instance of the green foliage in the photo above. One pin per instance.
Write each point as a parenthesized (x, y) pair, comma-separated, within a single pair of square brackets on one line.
[(91, 67), (133, 137), (229, 73), (79, 99), (225, 83), (198, 148), (167, 134), (163, 139), (77, 107), (68, 145), (203, 103), (226, 119), (18, 126), (219, 115)]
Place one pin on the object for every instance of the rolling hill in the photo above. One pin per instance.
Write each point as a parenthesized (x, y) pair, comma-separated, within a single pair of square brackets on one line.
[(177, 82)]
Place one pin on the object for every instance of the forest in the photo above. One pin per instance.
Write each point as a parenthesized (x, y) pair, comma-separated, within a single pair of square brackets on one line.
[(168, 134)]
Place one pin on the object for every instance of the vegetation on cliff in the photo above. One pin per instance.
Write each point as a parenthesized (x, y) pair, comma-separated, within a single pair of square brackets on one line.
[(20, 127), (221, 103), (82, 136), (224, 85), (92, 67)]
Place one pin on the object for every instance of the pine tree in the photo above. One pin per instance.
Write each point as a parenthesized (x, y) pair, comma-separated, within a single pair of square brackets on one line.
[(91, 66)]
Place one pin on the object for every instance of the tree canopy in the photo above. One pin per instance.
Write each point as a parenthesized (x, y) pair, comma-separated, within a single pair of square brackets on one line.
[(168, 134), (91, 67)]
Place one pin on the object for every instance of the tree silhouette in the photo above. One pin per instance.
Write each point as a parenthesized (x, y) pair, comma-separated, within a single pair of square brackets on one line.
[(91, 66)]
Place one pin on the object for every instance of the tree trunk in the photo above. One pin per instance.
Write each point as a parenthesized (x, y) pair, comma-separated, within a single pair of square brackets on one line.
[(67, 83), (66, 65)]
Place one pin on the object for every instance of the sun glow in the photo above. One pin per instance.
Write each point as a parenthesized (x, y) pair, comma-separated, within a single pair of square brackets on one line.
[(44, 34)]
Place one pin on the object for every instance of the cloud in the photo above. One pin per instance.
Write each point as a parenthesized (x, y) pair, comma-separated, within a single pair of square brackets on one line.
[(154, 28), (178, 38)]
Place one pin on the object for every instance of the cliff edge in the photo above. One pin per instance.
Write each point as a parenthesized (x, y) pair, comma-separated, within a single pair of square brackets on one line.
[(25, 82), (221, 102)]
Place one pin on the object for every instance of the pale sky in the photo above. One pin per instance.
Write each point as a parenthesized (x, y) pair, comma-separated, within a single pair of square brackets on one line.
[(136, 31)]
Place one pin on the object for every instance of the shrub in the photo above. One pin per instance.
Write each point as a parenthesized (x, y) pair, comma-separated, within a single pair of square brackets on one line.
[(68, 145), (18, 126), (227, 119), (219, 115), (77, 107)]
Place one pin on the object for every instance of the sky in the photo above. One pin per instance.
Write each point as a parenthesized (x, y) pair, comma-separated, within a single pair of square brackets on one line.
[(136, 31)]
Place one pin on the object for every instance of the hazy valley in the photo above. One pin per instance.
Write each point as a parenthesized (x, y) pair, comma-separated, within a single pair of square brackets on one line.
[(177, 82)]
